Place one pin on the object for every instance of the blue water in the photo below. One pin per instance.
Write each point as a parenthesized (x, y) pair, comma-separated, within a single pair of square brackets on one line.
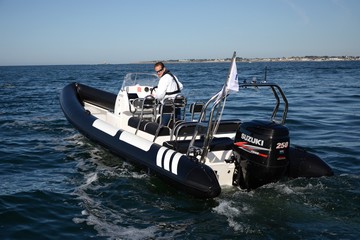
[(55, 183)]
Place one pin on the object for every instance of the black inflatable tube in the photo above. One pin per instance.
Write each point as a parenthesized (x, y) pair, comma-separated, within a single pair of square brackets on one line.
[(97, 97), (305, 164)]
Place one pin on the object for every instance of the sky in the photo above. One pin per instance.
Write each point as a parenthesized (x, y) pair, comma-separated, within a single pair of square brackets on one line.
[(48, 32)]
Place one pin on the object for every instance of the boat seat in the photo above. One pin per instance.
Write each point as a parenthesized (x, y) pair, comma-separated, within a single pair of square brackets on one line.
[(185, 129), (228, 126), (134, 122), (166, 112), (180, 102), (195, 109), (157, 129), (144, 107), (217, 144), (148, 126)]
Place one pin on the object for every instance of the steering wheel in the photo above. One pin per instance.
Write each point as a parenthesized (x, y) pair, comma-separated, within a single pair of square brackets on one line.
[(153, 90)]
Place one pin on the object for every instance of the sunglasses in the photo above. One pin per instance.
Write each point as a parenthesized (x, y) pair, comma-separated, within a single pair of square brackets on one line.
[(159, 70)]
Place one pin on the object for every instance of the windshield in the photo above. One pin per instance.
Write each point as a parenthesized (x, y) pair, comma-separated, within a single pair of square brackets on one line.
[(140, 79)]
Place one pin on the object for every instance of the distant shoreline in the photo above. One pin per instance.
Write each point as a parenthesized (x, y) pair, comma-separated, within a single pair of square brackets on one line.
[(249, 60), (220, 60)]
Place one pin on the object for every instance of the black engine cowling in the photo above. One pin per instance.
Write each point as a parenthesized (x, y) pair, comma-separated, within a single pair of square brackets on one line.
[(262, 151)]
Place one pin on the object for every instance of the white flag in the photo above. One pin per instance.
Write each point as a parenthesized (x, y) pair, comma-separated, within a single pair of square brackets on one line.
[(233, 83)]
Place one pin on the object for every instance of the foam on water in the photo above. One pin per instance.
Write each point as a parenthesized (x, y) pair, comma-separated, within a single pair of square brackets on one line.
[(227, 209), (113, 229), (97, 178)]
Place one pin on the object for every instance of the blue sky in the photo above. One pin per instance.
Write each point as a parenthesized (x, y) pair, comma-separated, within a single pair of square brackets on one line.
[(45, 32)]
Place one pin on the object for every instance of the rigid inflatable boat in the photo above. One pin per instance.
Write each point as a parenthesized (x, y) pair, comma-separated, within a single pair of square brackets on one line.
[(199, 152)]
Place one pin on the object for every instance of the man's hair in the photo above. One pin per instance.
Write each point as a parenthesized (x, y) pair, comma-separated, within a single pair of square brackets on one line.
[(159, 64)]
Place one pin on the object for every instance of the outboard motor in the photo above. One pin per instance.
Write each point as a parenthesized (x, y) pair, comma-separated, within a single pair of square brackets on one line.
[(261, 149)]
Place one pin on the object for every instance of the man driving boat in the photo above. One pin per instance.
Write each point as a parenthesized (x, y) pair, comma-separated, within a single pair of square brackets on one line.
[(168, 87)]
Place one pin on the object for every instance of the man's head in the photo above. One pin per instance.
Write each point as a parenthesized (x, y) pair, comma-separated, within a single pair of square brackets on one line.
[(159, 68)]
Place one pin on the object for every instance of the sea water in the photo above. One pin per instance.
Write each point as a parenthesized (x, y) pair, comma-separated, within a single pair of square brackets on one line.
[(55, 183)]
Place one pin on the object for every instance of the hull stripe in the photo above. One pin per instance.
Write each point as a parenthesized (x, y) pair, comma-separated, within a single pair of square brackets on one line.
[(159, 156), (168, 159), (135, 141), (105, 127), (175, 163)]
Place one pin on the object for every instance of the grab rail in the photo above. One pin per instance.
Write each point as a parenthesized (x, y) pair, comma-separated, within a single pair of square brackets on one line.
[(276, 91)]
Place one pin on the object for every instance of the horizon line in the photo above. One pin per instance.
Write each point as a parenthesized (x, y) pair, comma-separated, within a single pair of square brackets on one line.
[(216, 60)]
